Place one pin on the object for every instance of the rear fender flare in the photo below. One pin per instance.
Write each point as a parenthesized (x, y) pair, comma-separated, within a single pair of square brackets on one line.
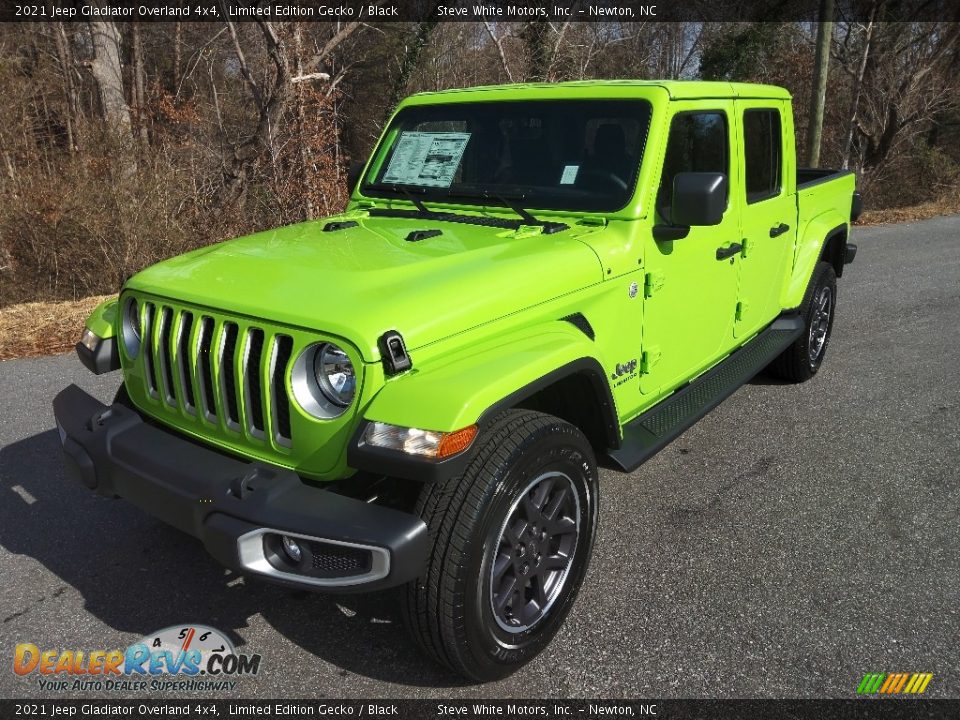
[(809, 249)]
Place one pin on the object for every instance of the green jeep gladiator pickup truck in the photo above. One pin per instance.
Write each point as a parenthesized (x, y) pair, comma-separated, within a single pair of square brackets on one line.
[(528, 281)]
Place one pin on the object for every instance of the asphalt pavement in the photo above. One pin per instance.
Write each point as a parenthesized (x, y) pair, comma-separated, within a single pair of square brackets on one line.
[(792, 541)]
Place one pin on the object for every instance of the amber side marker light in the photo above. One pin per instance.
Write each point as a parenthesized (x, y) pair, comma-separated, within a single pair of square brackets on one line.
[(456, 442)]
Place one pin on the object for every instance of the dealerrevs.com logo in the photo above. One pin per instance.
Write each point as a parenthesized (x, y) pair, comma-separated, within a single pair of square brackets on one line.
[(177, 658)]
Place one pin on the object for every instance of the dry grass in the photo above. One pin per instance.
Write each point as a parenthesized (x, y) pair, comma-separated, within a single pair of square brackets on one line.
[(43, 328), (946, 205)]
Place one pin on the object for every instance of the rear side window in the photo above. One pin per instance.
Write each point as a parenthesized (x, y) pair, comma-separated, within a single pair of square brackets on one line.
[(762, 154), (698, 142)]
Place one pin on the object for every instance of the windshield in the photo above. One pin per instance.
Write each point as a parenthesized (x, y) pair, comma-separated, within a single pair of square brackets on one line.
[(579, 155)]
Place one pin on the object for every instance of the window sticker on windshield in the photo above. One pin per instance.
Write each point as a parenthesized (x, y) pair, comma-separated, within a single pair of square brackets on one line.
[(428, 159), (569, 176)]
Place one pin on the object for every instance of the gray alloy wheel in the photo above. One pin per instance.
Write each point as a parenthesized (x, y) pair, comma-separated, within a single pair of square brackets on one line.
[(820, 323), (535, 549)]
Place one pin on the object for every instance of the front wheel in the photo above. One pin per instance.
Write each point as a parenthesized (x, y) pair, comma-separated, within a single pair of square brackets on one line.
[(801, 361), (511, 541)]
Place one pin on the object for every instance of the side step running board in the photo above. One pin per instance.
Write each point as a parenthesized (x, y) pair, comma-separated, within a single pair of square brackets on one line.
[(649, 433)]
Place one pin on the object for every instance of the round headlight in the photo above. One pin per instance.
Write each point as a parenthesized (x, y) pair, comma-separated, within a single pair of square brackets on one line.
[(335, 374), (131, 329), (323, 380)]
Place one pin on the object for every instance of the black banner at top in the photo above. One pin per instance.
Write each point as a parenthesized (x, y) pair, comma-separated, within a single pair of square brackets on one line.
[(373, 11)]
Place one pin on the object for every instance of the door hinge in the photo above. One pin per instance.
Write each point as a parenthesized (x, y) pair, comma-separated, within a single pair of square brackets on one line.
[(652, 282), (649, 358), (740, 313)]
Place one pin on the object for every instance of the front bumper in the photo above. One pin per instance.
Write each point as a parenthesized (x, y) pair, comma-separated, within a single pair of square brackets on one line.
[(239, 509)]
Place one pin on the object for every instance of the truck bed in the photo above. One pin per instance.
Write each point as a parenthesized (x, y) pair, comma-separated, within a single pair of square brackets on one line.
[(812, 176)]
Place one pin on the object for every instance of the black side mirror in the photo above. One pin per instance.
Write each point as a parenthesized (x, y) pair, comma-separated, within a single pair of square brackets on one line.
[(699, 198), (353, 175)]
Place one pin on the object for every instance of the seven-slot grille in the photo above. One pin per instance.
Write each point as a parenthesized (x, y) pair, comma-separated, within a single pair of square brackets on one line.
[(218, 370)]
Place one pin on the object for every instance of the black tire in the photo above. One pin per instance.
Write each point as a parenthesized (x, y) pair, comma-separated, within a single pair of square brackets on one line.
[(449, 610), (801, 361)]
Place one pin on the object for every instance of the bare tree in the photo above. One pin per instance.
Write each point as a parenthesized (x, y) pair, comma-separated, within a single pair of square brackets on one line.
[(239, 159), (818, 92), (855, 91), (904, 86)]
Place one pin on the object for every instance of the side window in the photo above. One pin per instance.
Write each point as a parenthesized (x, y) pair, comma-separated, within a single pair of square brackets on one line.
[(762, 154), (698, 142)]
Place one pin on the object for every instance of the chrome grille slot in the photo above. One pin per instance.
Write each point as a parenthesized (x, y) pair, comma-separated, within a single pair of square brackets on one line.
[(204, 367), (253, 383), (149, 313), (184, 360), (228, 374), (279, 401), (164, 359)]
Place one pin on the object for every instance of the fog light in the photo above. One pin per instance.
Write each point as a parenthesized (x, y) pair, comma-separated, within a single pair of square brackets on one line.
[(291, 548)]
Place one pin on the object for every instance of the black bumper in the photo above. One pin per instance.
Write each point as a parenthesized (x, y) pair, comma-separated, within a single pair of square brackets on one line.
[(239, 509)]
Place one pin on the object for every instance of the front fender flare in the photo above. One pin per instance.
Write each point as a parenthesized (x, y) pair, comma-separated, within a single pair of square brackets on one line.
[(103, 319), (471, 386)]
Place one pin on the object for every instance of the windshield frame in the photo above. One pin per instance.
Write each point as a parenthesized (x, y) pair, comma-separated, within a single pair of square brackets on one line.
[(450, 198)]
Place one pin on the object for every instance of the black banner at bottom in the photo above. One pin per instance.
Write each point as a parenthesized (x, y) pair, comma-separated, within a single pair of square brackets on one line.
[(474, 709)]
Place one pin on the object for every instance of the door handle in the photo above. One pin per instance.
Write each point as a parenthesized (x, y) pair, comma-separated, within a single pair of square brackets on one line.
[(729, 251), (779, 229)]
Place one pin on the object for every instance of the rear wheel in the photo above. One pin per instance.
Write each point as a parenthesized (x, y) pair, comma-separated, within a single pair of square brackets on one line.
[(511, 540), (801, 361)]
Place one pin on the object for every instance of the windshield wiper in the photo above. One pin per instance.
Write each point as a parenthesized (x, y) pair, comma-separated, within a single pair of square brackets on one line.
[(508, 201), (407, 192)]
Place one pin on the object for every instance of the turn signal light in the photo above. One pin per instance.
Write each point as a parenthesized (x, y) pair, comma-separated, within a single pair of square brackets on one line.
[(455, 442)]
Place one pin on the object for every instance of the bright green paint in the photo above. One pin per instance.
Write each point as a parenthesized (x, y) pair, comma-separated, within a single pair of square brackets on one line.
[(765, 258), (482, 374), (480, 308), (103, 319)]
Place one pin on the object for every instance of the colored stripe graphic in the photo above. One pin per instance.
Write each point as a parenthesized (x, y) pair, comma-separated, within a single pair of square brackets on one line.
[(923, 679), (870, 683), (894, 683)]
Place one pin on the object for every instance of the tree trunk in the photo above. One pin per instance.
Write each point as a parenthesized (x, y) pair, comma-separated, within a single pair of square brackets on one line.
[(855, 95), (177, 42), (108, 74), (818, 91), (139, 85), (535, 38), (65, 57)]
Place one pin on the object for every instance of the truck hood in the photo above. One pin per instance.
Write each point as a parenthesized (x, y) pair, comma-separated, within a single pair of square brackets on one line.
[(359, 282)]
